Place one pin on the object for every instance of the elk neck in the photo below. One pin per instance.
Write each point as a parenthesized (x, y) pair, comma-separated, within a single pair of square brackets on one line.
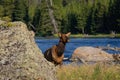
[(60, 48)]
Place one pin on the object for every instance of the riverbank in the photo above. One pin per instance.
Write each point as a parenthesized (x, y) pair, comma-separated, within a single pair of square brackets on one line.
[(92, 35), (89, 72)]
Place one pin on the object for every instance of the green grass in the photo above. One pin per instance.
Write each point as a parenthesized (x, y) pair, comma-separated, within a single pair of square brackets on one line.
[(118, 35), (92, 36), (89, 72)]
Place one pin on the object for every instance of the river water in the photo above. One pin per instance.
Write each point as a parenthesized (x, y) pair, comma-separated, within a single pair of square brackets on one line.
[(74, 43)]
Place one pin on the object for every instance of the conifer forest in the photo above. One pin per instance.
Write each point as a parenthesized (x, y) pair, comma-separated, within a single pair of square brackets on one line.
[(47, 17)]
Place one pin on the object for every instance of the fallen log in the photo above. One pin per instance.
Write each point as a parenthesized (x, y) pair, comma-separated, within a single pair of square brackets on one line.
[(116, 57), (109, 48)]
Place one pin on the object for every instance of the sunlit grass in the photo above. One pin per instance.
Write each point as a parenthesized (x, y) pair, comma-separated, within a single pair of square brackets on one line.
[(89, 72)]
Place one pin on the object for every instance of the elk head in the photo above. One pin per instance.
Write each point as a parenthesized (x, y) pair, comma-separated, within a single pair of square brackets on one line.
[(64, 37)]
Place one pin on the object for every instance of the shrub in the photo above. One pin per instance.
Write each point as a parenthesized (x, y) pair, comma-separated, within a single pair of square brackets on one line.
[(6, 18)]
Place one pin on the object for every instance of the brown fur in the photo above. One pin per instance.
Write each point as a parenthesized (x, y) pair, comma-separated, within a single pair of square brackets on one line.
[(55, 53), (116, 57)]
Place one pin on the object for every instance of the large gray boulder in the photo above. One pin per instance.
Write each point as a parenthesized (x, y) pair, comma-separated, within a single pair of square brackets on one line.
[(20, 57), (87, 54)]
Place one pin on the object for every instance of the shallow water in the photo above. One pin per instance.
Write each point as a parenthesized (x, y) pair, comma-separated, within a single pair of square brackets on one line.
[(74, 43)]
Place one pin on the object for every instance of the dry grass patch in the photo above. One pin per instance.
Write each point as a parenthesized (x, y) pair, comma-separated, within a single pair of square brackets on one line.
[(89, 72)]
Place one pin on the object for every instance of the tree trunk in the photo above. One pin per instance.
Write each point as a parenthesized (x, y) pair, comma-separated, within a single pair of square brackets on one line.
[(49, 5), (39, 2), (83, 31)]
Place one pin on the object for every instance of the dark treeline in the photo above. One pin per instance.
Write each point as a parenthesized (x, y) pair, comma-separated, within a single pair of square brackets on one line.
[(47, 17)]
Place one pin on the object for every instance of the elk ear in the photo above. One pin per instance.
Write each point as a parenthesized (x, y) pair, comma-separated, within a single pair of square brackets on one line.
[(59, 34), (68, 33)]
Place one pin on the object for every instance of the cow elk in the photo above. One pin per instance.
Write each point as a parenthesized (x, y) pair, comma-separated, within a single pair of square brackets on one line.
[(55, 54)]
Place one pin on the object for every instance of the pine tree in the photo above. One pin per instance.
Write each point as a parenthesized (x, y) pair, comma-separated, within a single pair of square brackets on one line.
[(64, 3), (26, 17), (114, 16), (6, 7), (1, 10), (19, 11), (44, 24), (37, 21)]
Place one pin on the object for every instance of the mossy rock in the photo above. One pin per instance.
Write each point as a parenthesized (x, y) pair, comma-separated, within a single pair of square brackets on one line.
[(20, 57)]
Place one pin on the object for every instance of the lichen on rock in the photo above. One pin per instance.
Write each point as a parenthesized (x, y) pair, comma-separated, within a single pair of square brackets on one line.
[(20, 58)]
